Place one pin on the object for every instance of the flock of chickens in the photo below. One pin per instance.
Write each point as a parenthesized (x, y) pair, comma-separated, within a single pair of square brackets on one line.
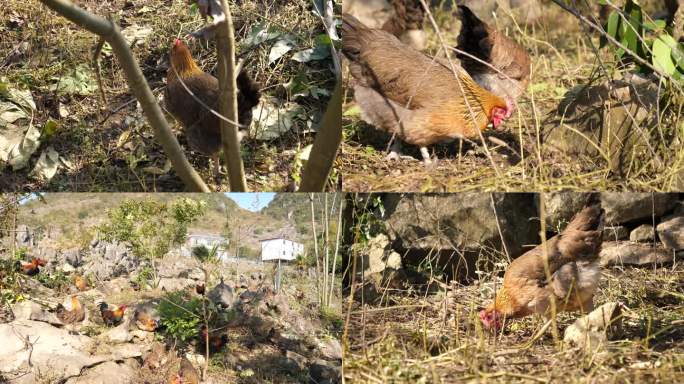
[(423, 100), (74, 312)]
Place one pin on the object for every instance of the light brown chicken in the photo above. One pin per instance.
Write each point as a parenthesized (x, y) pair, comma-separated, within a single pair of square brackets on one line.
[(490, 45), (75, 314), (80, 283), (407, 93), (573, 267), (187, 374)]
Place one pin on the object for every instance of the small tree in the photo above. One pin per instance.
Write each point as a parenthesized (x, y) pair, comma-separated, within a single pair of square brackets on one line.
[(151, 227)]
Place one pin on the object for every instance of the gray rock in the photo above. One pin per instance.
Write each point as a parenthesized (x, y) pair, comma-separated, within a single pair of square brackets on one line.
[(73, 257), (624, 207), (526, 11), (109, 260), (560, 207), (171, 284), (325, 372), (484, 9), (55, 352), (615, 233), (106, 373), (24, 236), (642, 234), (626, 252), (372, 13), (29, 310), (118, 334), (671, 232), (611, 120), (222, 295), (330, 349), (295, 362), (380, 255), (455, 227), (592, 332)]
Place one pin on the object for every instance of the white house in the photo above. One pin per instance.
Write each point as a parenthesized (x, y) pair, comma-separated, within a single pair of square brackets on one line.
[(207, 240), (280, 249)]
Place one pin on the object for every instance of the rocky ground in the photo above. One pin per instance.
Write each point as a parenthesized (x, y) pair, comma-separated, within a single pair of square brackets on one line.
[(272, 337), (433, 261)]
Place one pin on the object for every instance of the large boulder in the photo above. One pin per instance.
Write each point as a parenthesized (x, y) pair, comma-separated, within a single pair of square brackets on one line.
[(671, 231), (109, 372), (625, 207), (53, 352), (24, 236), (630, 253), (612, 120), (560, 207), (456, 227)]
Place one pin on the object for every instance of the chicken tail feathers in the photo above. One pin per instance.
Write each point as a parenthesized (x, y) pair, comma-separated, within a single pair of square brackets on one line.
[(352, 40), (591, 217), (582, 238), (473, 37), (249, 90)]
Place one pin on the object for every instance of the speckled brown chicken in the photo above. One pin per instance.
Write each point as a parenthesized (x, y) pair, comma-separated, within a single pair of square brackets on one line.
[(417, 98), (573, 268)]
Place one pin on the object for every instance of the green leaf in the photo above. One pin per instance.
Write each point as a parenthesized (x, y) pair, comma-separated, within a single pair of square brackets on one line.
[(311, 54), (662, 57), (613, 23), (260, 33), (280, 48), (657, 25), (79, 82), (49, 129)]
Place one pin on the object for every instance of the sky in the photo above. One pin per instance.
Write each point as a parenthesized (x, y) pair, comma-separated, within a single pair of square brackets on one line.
[(251, 201)]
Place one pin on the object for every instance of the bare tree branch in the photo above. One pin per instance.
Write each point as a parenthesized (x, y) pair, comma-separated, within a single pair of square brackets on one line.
[(325, 145), (225, 46), (137, 84)]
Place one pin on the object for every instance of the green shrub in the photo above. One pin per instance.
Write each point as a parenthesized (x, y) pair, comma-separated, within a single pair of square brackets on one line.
[(56, 280), (651, 41), (180, 315)]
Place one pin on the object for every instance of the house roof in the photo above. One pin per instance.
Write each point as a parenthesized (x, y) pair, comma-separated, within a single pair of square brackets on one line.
[(277, 238), (206, 235)]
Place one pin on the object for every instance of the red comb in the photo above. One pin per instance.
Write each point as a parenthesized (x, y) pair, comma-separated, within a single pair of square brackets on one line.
[(177, 42)]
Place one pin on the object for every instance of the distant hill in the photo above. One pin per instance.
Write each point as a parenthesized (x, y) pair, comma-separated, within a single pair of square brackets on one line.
[(297, 207), (71, 217)]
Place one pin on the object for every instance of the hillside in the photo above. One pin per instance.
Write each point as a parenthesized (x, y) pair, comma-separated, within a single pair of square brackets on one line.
[(298, 207), (74, 216)]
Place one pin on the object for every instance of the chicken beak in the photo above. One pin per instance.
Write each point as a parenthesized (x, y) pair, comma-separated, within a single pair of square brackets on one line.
[(510, 107)]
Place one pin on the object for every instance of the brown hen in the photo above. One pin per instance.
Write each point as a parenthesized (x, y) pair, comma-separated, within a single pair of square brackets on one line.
[(511, 60), (573, 267), (411, 95), (202, 127)]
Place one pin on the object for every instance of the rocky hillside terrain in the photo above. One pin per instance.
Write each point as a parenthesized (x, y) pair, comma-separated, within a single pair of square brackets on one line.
[(90, 312)]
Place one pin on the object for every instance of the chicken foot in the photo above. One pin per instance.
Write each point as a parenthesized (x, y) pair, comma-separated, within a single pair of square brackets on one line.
[(396, 153)]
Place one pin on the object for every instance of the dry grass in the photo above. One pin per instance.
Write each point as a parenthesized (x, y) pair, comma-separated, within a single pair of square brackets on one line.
[(437, 338), (111, 146), (562, 58)]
